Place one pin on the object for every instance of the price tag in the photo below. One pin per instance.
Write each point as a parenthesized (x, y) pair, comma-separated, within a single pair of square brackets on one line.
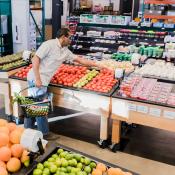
[(155, 112), (169, 114), (132, 107), (142, 109)]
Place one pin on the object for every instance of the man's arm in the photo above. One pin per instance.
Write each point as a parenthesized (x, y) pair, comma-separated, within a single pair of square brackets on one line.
[(35, 65), (85, 61)]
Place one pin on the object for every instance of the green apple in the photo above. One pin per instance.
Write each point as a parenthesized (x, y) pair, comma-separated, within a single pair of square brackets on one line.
[(40, 166), (53, 168), (93, 165), (54, 156), (63, 154), (60, 151), (87, 161), (87, 169), (80, 173), (51, 159), (46, 171), (37, 172), (69, 168), (69, 156), (80, 165), (64, 163), (63, 170), (75, 170), (82, 160), (62, 173), (58, 162), (27, 163), (46, 164)]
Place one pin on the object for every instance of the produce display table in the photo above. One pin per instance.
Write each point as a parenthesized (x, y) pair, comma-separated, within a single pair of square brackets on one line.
[(80, 100), (135, 111)]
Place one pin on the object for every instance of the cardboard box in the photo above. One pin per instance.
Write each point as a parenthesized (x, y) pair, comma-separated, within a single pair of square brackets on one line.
[(86, 3)]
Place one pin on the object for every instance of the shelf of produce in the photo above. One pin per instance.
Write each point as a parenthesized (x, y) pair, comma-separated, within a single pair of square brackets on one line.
[(159, 16), (125, 27), (80, 100), (53, 147), (9, 72), (158, 2), (140, 112)]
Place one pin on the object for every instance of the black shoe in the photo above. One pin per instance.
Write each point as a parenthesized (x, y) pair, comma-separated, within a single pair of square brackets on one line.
[(51, 136)]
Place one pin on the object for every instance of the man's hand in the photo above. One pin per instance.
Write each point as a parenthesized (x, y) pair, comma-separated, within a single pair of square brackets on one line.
[(38, 83)]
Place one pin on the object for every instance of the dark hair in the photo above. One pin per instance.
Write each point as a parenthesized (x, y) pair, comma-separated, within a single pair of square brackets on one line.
[(63, 32)]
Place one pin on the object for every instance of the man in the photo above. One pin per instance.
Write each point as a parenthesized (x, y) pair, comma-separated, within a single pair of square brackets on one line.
[(46, 61)]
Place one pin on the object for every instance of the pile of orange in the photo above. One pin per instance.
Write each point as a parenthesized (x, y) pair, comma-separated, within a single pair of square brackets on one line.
[(101, 168), (12, 154)]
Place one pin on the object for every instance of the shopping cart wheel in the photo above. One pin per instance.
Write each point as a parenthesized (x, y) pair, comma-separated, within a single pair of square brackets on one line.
[(115, 147), (103, 144)]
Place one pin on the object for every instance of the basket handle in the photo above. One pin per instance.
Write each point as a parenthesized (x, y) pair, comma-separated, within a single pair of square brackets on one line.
[(29, 87)]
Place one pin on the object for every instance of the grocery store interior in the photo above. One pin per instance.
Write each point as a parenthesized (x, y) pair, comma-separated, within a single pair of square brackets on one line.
[(87, 87)]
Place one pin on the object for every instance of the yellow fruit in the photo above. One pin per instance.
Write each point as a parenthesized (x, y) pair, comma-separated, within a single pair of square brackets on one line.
[(4, 129), (17, 150), (115, 171), (5, 154), (13, 165)]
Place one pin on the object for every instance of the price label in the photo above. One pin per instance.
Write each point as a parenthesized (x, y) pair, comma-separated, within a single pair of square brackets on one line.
[(142, 109), (155, 112), (169, 114), (132, 107)]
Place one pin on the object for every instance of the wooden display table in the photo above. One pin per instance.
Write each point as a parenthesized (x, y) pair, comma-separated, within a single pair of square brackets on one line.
[(161, 117), (76, 100)]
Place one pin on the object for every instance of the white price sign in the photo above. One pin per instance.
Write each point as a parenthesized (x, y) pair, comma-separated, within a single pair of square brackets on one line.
[(169, 114), (142, 109), (132, 107), (155, 112)]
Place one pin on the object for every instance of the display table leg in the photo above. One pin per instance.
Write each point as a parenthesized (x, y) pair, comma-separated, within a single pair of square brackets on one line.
[(104, 122), (116, 131)]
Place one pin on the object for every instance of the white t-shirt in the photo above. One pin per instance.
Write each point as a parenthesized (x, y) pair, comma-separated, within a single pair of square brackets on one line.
[(51, 56)]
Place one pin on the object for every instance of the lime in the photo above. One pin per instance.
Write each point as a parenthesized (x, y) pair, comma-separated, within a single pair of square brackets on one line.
[(40, 166), (60, 151), (77, 157), (64, 163), (87, 161), (84, 173), (93, 165), (87, 169), (53, 168), (46, 171), (51, 159), (46, 164), (37, 172), (69, 168), (72, 173), (54, 156), (80, 165), (62, 169)]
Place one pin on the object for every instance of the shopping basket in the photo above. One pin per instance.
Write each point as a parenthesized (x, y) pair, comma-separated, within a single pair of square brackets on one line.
[(38, 106)]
